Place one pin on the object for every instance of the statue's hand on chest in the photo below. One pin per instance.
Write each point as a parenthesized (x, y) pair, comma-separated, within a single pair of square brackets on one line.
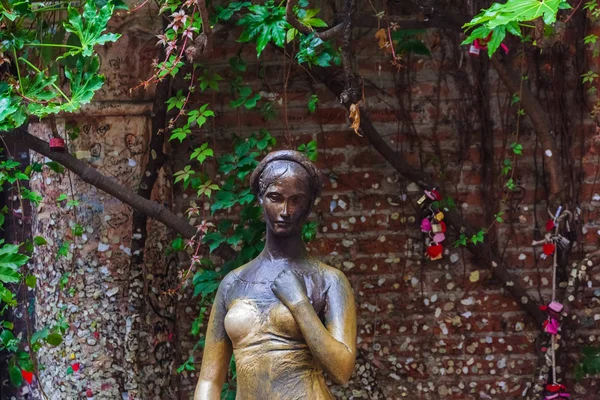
[(289, 288)]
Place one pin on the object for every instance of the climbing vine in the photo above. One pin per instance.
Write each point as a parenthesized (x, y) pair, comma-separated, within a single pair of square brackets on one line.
[(51, 66)]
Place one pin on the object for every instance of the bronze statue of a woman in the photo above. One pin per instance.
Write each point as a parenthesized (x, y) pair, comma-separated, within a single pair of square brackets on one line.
[(286, 316)]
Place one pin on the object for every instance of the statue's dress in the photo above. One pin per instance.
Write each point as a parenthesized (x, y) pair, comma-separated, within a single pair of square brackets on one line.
[(273, 362)]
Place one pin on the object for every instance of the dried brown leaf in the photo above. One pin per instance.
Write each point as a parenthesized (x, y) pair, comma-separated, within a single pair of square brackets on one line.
[(355, 117), (381, 36)]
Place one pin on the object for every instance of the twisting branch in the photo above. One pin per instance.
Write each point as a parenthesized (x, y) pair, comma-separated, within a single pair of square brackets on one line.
[(350, 93), (541, 123), (89, 175), (110, 186), (202, 45), (154, 162), (452, 218), (292, 20)]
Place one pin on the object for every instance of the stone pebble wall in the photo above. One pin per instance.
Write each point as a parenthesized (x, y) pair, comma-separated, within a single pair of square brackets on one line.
[(427, 330), (120, 322)]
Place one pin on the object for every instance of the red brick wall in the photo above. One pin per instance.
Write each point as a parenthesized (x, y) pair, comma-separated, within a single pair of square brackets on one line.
[(426, 330)]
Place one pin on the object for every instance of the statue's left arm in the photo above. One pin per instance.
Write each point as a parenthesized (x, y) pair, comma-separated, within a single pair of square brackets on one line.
[(332, 344)]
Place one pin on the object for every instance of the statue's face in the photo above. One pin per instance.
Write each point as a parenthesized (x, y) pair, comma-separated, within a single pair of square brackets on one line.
[(286, 201)]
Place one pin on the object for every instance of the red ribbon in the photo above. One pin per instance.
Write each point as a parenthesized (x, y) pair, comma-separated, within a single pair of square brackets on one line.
[(482, 44)]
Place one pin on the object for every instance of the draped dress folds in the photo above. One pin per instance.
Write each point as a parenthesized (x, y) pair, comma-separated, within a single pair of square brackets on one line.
[(273, 361)]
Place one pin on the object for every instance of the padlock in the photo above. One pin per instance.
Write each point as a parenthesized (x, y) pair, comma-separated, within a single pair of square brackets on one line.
[(555, 306), (425, 225), (57, 144), (436, 227), (562, 241), (439, 237), (549, 249), (422, 200), (435, 251), (439, 216), (433, 195)]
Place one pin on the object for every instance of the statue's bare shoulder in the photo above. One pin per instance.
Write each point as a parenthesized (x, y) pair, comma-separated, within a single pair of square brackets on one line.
[(333, 276)]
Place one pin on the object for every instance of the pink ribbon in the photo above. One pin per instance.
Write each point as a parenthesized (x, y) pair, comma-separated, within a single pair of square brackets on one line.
[(551, 326), (425, 225), (557, 396)]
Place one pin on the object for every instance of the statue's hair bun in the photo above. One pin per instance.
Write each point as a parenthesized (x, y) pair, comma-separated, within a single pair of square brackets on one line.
[(316, 181)]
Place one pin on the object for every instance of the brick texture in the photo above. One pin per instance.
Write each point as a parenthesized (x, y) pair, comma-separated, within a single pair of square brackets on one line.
[(426, 330)]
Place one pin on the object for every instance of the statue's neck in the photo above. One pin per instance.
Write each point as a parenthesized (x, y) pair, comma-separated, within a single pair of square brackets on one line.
[(284, 247)]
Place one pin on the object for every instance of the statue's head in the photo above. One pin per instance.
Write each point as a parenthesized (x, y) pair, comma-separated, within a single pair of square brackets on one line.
[(286, 184)]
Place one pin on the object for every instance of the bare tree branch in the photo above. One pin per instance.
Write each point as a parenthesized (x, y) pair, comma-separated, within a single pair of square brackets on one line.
[(155, 159), (202, 45), (453, 219), (351, 93), (88, 174), (540, 121), (110, 186)]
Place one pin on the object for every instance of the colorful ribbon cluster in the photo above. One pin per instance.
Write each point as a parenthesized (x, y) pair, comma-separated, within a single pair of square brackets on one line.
[(433, 224), (552, 324), (554, 309), (556, 391), (481, 44)]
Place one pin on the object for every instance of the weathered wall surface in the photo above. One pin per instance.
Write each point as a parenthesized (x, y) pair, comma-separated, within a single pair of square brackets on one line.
[(120, 322), (427, 329)]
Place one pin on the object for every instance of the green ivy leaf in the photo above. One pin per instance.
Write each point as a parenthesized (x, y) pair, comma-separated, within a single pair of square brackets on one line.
[(36, 87), (24, 361), (510, 184), (9, 275), (590, 39), (39, 241), (517, 148), (7, 296), (209, 80), (264, 23), (225, 13), (14, 373), (176, 101), (500, 18), (184, 174), (89, 27), (180, 133), (310, 149), (10, 258), (498, 36), (77, 230), (56, 167), (177, 244), (237, 64), (251, 102), (478, 237), (63, 250), (34, 197), (54, 339), (84, 80), (30, 281)]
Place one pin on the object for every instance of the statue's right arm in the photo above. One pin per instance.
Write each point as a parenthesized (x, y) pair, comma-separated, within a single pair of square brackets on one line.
[(217, 352)]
